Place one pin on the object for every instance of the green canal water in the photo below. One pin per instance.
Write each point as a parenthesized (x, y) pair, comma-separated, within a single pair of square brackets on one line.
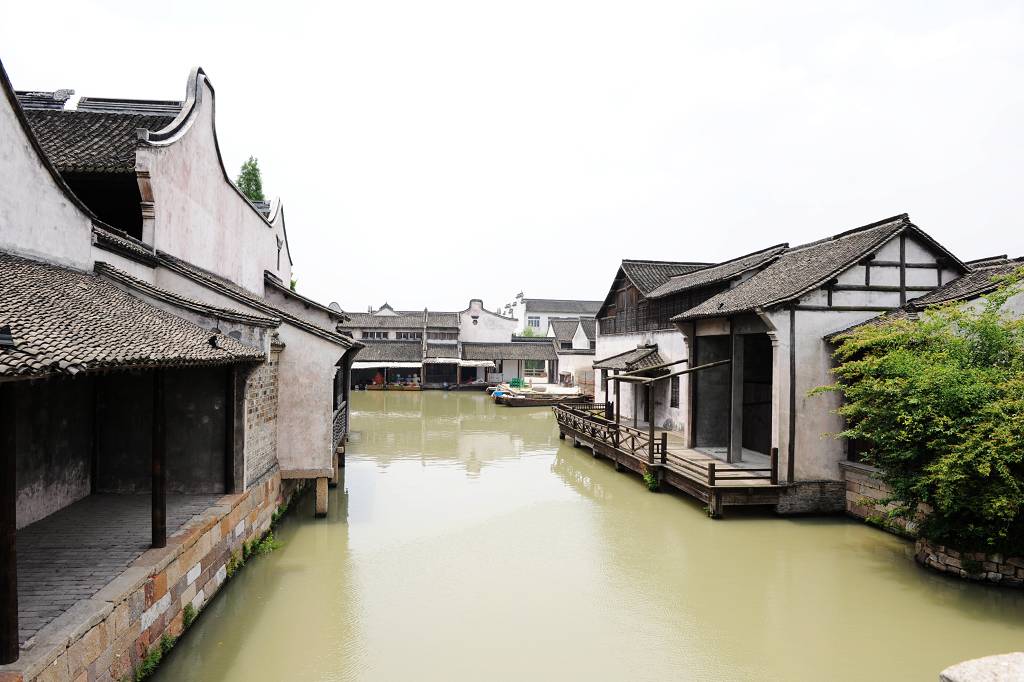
[(468, 543)]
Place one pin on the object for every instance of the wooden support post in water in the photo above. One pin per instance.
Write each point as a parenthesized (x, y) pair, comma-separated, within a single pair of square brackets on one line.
[(775, 466), (711, 474), (335, 468), (158, 492), (8, 528), (321, 497), (664, 447)]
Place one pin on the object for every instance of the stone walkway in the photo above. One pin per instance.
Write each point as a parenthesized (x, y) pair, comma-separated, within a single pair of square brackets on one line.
[(72, 554)]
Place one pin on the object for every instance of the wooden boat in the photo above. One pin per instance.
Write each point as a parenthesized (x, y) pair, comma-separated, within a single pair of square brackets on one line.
[(472, 386), (538, 399)]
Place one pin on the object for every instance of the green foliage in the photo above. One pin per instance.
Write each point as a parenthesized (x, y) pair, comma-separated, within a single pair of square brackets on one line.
[(267, 545), (939, 404), (294, 284), (234, 563), (528, 332), (188, 614), (651, 481), (152, 660), (250, 181), (279, 513)]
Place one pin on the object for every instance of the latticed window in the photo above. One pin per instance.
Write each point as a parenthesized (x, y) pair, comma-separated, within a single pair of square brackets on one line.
[(674, 396), (375, 335), (408, 336), (534, 368)]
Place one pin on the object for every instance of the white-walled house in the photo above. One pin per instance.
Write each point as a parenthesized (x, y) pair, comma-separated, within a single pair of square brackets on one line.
[(172, 218), (536, 313), (574, 344)]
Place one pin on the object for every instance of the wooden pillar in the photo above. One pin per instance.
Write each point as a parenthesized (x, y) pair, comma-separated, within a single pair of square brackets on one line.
[(230, 395), (321, 497), (618, 402), (458, 374), (649, 386), (8, 528), (735, 451), (636, 402), (158, 492)]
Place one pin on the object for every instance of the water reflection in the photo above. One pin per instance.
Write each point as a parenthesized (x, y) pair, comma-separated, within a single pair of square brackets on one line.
[(468, 542)]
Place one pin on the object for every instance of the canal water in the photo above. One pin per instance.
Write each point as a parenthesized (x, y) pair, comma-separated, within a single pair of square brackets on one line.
[(467, 542)]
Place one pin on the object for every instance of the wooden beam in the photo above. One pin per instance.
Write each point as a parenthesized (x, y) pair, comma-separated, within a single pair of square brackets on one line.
[(903, 268), (8, 527), (877, 287), (734, 452), (158, 492), (230, 388), (691, 370), (650, 422), (652, 367)]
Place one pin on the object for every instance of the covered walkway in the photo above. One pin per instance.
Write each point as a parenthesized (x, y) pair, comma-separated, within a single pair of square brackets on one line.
[(72, 554)]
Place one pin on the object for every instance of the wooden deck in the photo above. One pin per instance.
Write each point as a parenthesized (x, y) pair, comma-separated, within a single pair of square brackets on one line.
[(715, 482)]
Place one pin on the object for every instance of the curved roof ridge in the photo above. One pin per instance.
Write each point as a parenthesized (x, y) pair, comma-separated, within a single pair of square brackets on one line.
[(184, 121)]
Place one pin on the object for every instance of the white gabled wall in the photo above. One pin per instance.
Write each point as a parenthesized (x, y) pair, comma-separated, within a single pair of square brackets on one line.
[(477, 324), (199, 215), (38, 218)]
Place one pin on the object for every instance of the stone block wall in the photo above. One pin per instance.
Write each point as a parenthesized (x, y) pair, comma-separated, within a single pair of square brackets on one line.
[(864, 495), (106, 637), (811, 497), (261, 411), (993, 568)]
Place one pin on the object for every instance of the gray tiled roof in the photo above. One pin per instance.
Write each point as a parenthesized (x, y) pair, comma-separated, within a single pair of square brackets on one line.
[(391, 351), (975, 283), (402, 320), (145, 288), (442, 350), (589, 325), (561, 306), (88, 141), (64, 321), (525, 350), (564, 329), (803, 268), (715, 274), (638, 358), (648, 275), (232, 290)]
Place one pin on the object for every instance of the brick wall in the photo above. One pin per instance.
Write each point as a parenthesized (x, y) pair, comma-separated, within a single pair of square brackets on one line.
[(993, 568), (107, 636), (864, 495), (261, 396)]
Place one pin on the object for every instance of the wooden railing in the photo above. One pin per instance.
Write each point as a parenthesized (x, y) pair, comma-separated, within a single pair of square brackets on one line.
[(591, 424), (340, 424)]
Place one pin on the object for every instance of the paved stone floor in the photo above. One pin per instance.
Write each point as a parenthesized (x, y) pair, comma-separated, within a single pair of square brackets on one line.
[(72, 554)]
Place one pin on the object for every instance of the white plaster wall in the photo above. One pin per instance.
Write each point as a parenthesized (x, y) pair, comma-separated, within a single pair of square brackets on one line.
[(37, 218), (200, 216), (570, 362), (817, 455), (305, 402), (489, 326), (580, 340), (133, 268), (672, 346), (300, 310)]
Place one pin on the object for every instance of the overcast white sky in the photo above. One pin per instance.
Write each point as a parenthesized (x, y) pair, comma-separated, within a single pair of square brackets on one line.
[(430, 152)]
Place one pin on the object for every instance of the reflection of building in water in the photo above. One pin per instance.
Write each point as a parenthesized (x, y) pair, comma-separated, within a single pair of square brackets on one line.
[(447, 427)]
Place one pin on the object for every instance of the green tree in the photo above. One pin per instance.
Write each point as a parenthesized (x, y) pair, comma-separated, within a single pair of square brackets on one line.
[(939, 404), (528, 331), (250, 181)]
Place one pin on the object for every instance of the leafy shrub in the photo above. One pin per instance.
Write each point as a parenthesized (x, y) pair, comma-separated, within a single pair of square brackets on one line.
[(938, 403), (651, 481)]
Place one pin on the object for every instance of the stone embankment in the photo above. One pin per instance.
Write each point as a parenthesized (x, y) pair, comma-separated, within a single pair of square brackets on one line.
[(993, 568), (110, 635)]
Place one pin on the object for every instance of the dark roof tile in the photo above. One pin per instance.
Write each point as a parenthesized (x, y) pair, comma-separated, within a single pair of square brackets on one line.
[(526, 350), (64, 322), (715, 274), (89, 141), (638, 358)]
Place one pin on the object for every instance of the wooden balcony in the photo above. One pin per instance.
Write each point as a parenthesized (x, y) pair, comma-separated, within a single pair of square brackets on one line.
[(715, 482)]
